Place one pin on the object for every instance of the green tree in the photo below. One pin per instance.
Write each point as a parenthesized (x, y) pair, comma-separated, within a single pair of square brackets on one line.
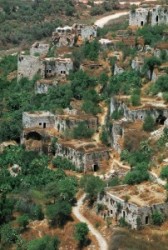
[(8, 235), (157, 218), (59, 212), (45, 243), (82, 131), (92, 185), (81, 232), (23, 221), (164, 173), (149, 124)]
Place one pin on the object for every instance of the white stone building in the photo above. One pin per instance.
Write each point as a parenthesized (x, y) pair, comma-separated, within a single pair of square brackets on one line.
[(136, 204)]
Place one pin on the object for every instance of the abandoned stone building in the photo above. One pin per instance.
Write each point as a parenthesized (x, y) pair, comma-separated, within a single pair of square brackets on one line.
[(71, 35), (85, 155), (136, 204), (158, 110), (42, 86), (39, 119), (28, 66), (152, 16), (71, 118), (56, 67), (38, 49)]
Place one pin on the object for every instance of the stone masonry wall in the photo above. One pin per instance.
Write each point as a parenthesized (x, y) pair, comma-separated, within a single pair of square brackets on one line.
[(28, 66), (118, 208), (38, 121)]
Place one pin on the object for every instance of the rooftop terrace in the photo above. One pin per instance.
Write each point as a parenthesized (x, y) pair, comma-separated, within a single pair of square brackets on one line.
[(144, 194)]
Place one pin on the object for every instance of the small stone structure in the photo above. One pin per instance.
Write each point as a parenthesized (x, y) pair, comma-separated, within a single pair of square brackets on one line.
[(136, 204), (39, 119), (57, 66), (85, 155), (139, 17), (76, 34), (38, 49), (152, 16), (28, 66), (42, 86), (71, 118), (158, 110)]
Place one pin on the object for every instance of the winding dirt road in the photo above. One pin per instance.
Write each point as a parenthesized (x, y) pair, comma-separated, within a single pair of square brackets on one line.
[(76, 211), (104, 20)]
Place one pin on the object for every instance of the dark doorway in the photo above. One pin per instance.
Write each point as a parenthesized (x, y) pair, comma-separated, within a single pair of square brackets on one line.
[(142, 23), (95, 167), (44, 125), (124, 214), (34, 136), (157, 19), (147, 220), (161, 119)]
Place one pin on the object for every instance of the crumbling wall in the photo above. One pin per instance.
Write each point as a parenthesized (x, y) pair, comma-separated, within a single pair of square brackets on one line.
[(117, 133), (39, 49), (42, 86), (139, 113), (28, 66), (36, 120), (159, 15), (134, 215), (139, 17)]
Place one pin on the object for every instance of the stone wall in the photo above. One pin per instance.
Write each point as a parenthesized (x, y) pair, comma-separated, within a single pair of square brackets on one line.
[(117, 69), (117, 133), (43, 86), (38, 120), (39, 49), (139, 17), (86, 161), (63, 122), (57, 66), (28, 66), (159, 15), (138, 113), (152, 16), (118, 208), (69, 35)]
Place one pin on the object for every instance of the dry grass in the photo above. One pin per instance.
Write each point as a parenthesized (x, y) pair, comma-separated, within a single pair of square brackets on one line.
[(147, 239)]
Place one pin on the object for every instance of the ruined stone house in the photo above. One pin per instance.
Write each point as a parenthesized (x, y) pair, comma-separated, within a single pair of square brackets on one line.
[(28, 66), (56, 67), (136, 204), (157, 109), (71, 35), (42, 86), (151, 16), (84, 154), (71, 118), (39, 49)]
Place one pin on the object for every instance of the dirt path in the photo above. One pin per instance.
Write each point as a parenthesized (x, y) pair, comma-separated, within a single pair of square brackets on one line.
[(104, 20), (76, 211)]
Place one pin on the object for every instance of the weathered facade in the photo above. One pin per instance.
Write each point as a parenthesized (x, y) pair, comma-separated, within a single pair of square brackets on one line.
[(158, 111), (136, 204), (69, 120), (85, 155), (56, 67), (152, 16), (28, 66), (42, 86), (38, 49), (71, 35), (38, 120)]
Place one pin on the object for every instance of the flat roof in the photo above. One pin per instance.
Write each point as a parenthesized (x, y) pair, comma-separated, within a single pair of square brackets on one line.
[(76, 116), (86, 146), (38, 113), (144, 194)]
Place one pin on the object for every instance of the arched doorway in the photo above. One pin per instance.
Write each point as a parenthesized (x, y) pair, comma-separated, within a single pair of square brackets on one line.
[(95, 167), (34, 136)]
